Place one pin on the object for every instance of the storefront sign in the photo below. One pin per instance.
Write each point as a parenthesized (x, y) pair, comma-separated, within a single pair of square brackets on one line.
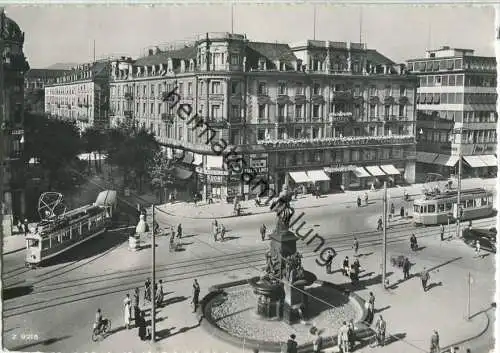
[(201, 170), (215, 179), (340, 168), (259, 163)]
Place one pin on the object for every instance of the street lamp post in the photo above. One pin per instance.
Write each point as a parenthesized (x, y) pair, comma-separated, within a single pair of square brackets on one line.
[(153, 275), (384, 237)]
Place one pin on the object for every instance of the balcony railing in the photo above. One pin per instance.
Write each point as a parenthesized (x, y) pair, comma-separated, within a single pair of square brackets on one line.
[(348, 140), (340, 117), (129, 96)]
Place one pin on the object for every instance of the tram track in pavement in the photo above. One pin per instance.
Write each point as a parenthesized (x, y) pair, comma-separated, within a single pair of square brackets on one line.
[(176, 272)]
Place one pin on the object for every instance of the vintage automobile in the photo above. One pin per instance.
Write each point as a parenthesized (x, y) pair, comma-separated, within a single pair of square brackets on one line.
[(487, 238)]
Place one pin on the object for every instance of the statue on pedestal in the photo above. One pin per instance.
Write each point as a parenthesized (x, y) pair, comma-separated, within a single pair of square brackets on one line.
[(134, 239)]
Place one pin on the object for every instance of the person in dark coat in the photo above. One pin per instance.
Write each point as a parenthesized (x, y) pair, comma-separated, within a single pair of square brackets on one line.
[(402, 212), (291, 345), (141, 324), (196, 295), (345, 266), (263, 232), (406, 268)]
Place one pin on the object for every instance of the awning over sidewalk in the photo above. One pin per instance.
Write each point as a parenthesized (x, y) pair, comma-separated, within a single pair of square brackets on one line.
[(300, 177), (214, 162), (361, 172), (317, 175), (474, 161), (441, 159), (389, 169), (374, 170), (452, 161), (198, 159), (489, 160), (426, 157), (182, 173)]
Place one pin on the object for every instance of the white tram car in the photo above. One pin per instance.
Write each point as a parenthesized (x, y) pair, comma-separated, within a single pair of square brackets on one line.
[(435, 208), (58, 234)]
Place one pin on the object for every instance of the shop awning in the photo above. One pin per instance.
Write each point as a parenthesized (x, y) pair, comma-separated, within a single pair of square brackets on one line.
[(214, 162), (452, 161), (474, 161), (389, 169), (198, 159), (490, 160), (188, 157), (361, 172), (170, 153), (300, 177), (441, 159), (182, 173), (426, 157), (374, 170), (317, 175)]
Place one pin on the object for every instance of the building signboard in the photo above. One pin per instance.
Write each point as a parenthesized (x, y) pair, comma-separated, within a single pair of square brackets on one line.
[(259, 163), (340, 116), (201, 170), (339, 168)]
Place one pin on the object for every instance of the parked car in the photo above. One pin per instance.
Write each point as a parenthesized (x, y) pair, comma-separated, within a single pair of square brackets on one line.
[(487, 238)]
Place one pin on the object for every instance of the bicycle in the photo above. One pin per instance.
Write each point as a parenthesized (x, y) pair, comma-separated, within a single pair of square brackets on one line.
[(102, 331)]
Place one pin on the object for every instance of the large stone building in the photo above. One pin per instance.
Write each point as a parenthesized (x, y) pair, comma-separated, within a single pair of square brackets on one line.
[(13, 66), (456, 112), (82, 95), (35, 81), (314, 112)]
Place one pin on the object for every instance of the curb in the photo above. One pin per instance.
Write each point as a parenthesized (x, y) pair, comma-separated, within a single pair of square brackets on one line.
[(362, 330), (296, 208), (448, 348), (13, 251)]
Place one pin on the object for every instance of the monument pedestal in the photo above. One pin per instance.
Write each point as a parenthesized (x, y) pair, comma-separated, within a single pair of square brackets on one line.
[(294, 300)]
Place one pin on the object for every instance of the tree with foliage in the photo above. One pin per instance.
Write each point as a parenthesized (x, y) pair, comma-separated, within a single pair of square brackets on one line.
[(161, 174), (55, 144), (132, 152)]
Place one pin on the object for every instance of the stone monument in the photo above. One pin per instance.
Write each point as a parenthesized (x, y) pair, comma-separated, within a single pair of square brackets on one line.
[(281, 290)]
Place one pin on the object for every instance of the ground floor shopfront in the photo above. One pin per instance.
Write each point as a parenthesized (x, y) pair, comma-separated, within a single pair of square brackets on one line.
[(447, 165)]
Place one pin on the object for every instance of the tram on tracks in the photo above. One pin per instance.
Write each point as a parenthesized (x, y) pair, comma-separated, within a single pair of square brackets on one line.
[(435, 207), (59, 231)]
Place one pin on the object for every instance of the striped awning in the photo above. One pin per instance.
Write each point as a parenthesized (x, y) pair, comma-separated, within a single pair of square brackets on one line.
[(389, 169), (317, 175), (375, 170), (361, 172)]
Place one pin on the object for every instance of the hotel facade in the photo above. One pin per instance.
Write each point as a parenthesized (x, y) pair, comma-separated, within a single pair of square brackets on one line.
[(456, 112), (325, 114), (81, 95)]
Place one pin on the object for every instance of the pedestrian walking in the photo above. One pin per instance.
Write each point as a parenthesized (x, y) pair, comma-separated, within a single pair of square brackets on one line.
[(366, 198), (343, 338), (371, 308), (159, 293), (179, 231), (478, 248), (359, 201), (222, 232), (350, 335), (424, 276), (126, 312), (329, 262), (406, 268), (291, 345), (26, 227), (345, 266), (380, 328), (380, 224), (141, 326), (393, 209), (318, 342), (435, 342), (355, 246), (441, 232), (263, 230), (196, 295), (135, 304), (215, 229), (402, 212), (147, 290)]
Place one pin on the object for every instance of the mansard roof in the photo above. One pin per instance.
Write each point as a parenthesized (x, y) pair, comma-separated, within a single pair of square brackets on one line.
[(162, 57), (273, 51)]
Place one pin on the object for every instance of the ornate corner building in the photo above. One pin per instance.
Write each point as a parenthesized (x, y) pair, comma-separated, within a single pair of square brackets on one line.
[(12, 70), (332, 115), (456, 112)]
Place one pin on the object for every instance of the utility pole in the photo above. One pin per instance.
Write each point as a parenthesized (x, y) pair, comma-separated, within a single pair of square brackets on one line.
[(384, 236), (459, 207), (153, 294), (2, 139), (469, 282)]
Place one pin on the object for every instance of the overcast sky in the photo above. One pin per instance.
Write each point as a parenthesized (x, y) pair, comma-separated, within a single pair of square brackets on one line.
[(65, 33)]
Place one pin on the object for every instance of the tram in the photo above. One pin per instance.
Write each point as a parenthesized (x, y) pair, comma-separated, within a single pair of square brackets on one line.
[(55, 234), (435, 208)]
